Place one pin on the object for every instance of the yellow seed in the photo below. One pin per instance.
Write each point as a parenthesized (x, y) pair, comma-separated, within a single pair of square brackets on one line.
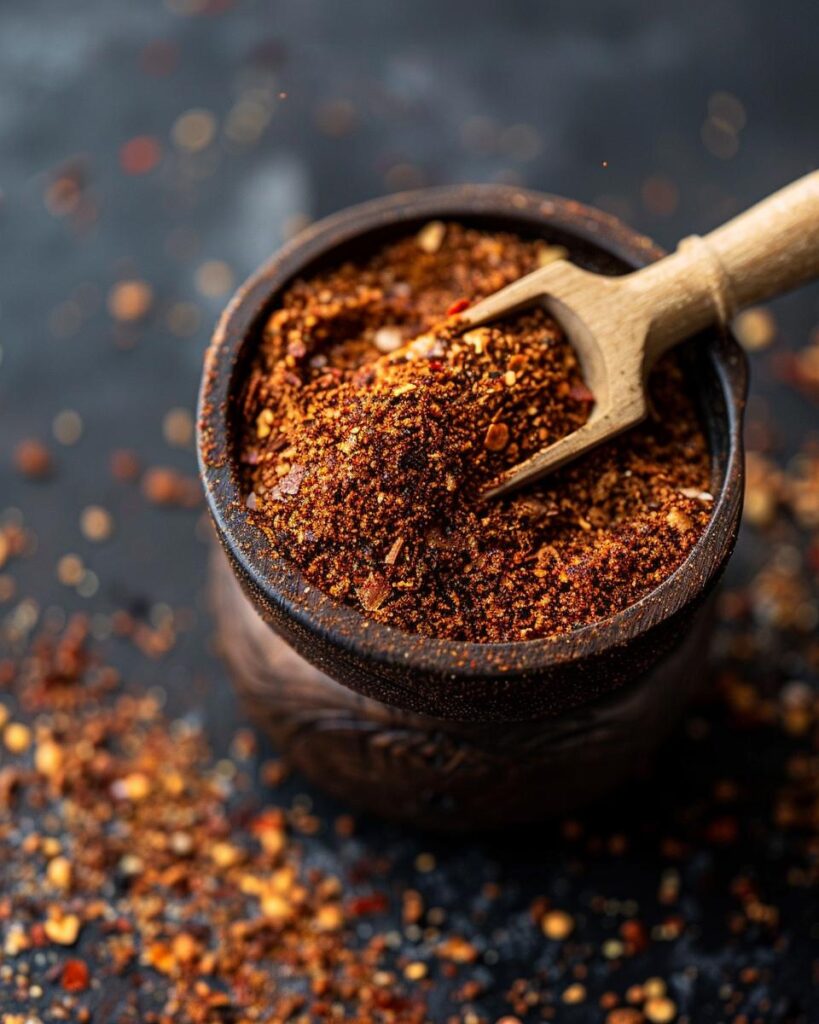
[(16, 942), (50, 846), (17, 737), (63, 929), (263, 423), (130, 300), (660, 1010), (48, 757), (678, 520), (430, 238), (185, 947), (415, 971), (425, 862), (283, 880), (174, 783), (135, 786), (159, 956), (329, 918), (276, 907), (60, 872), (96, 523), (497, 437), (273, 840), (479, 340), (575, 993), (70, 570), (225, 855), (557, 925), (457, 949), (755, 328)]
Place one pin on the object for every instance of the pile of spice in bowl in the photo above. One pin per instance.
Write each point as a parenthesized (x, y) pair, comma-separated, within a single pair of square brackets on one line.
[(370, 423)]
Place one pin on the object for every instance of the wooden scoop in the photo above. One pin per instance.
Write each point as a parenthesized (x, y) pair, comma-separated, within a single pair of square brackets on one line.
[(620, 326)]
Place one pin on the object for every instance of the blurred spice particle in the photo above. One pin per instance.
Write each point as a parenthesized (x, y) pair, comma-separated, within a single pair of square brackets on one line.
[(194, 130), (557, 925), (162, 485), (96, 523), (214, 278), (177, 427), (125, 465), (140, 154), (75, 976), (67, 427), (33, 459), (370, 425), (15, 540), (130, 300), (755, 328), (67, 192)]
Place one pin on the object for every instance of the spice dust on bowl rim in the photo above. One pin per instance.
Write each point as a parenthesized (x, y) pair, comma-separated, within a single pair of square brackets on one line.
[(452, 679)]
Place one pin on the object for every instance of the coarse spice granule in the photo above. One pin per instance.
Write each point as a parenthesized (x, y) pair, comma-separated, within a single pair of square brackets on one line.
[(371, 421)]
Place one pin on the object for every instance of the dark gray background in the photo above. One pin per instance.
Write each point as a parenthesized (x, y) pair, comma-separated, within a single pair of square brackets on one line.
[(613, 93)]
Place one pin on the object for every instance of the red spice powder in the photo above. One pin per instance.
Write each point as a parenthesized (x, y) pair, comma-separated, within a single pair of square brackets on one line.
[(369, 425)]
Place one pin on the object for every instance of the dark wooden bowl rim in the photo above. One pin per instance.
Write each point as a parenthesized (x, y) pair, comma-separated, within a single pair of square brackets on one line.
[(277, 581)]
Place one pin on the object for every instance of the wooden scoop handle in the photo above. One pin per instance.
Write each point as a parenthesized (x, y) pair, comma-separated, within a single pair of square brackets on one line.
[(774, 246), (769, 249)]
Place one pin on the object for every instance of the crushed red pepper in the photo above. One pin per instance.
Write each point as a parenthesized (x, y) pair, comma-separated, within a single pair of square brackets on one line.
[(143, 865), (371, 421)]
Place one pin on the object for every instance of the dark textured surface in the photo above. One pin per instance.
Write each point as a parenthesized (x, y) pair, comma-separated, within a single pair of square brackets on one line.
[(615, 93)]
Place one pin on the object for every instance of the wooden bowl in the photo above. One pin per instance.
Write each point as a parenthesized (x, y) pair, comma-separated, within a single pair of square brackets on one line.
[(628, 671)]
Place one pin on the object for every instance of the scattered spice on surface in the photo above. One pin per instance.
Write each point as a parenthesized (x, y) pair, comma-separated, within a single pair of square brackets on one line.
[(75, 976), (140, 155), (370, 424), (557, 925), (153, 874), (68, 427), (177, 427), (96, 523), (730, 928), (33, 459), (755, 328), (125, 465), (144, 879), (163, 485), (130, 300)]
